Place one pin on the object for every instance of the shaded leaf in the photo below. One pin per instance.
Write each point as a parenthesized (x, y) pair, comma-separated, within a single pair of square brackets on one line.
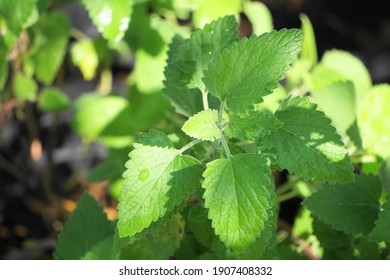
[(87, 226), (351, 208), (307, 144), (381, 230), (53, 100), (158, 242), (104, 250)]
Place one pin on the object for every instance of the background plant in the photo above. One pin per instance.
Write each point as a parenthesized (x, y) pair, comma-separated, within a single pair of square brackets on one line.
[(236, 133)]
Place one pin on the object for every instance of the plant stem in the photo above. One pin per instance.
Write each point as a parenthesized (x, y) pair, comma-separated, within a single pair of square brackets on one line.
[(105, 83), (204, 98), (220, 126), (286, 196), (190, 145), (78, 35), (287, 186)]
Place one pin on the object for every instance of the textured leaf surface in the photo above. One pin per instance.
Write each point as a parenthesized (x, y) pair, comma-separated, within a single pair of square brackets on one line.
[(158, 242), (104, 250), (337, 101), (49, 44), (155, 138), (351, 208), (374, 120), (237, 196), (264, 246), (203, 125), (250, 69), (53, 99), (252, 126), (156, 180), (381, 231), (87, 226), (307, 144), (110, 17), (188, 58)]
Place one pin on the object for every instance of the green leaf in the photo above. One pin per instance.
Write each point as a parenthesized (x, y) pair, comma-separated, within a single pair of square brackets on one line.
[(25, 88), (110, 17), (177, 76), (351, 208), (155, 138), (147, 110), (200, 226), (90, 122), (104, 250), (329, 237), (374, 120), (53, 100), (50, 39), (156, 180), (87, 226), (252, 126), (151, 53), (309, 47), (15, 16), (85, 56), (384, 174), (250, 69), (335, 244), (237, 193), (381, 230), (111, 169), (208, 10), (307, 144), (158, 242), (260, 17), (203, 125), (339, 65), (188, 58), (337, 101), (264, 246)]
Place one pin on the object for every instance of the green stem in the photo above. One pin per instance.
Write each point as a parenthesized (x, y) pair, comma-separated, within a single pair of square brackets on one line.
[(220, 126), (287, 196), (190, 145), (105, 83), (204, 98), (78, 35), (225, 146), (287, 186)]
